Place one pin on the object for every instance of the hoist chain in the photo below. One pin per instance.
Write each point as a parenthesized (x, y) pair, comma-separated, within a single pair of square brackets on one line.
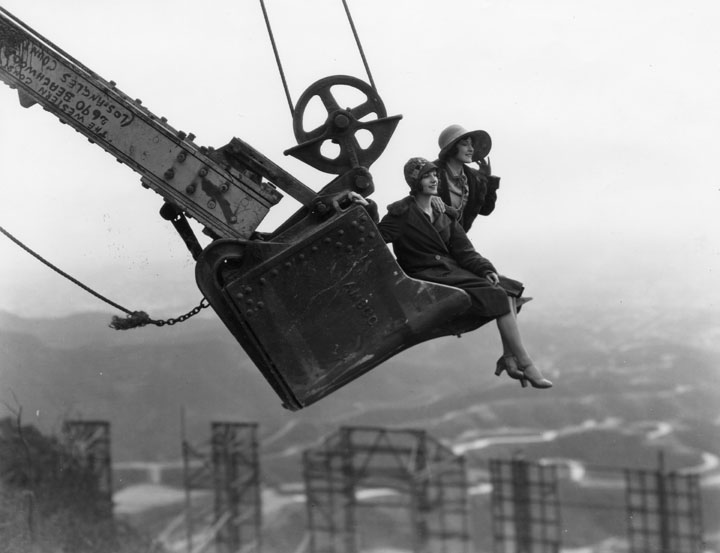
[(182, 318), (140, 318)]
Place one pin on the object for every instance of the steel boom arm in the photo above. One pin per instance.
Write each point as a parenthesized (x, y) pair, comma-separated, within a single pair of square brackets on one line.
[(226, 200)]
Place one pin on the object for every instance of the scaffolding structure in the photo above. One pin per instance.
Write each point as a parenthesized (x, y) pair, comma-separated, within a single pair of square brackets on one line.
[(231, 469), (197, 477), (89, 443), (664, 512), (525, 507), (360, 467), (236, 477)]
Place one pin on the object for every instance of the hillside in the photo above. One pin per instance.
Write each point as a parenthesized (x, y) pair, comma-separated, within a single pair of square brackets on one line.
[(141, 379), (626, 388)]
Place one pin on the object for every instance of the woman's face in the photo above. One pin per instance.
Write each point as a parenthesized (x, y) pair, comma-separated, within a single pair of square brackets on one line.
[(465, 150), (429, 183)]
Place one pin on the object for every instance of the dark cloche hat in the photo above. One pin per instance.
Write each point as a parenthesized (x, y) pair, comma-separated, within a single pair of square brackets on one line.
[(416, 168)]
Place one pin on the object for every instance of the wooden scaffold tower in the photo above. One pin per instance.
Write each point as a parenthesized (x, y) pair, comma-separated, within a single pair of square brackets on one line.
[(361, 468)]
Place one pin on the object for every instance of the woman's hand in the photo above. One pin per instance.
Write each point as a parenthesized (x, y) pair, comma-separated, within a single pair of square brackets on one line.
[(493, 278), (437, 204), (356, 198)]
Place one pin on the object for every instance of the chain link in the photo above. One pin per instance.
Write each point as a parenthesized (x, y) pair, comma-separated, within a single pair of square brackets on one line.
[(182, 318)]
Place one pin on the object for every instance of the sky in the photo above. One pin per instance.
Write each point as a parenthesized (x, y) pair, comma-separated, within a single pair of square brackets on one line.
[(603, 114)]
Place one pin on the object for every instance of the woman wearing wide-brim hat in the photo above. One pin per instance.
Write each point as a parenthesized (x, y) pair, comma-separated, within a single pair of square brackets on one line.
[(470, 191)]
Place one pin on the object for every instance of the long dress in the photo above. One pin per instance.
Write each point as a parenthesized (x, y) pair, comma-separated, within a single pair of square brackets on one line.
[(440, 251)]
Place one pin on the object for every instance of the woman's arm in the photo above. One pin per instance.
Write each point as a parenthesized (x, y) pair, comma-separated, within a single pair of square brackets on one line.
[(389, 227), (492, 185), (465, 254)]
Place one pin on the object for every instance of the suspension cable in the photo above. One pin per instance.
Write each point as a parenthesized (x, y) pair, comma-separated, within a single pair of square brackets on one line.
[(134, 319), (360, 48), (279, 63), (63, 273), (277, 58)]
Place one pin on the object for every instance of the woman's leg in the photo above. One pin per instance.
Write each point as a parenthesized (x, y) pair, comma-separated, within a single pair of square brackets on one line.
[(507, 350), (510, 336), (512, 341), (508, 361)]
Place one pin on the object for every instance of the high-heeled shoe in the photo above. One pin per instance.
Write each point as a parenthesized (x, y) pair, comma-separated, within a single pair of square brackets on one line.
[(530, 373), (509, 364)]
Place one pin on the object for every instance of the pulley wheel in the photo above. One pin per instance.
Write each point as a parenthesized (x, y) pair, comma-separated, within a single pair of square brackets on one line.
[(341, 125)]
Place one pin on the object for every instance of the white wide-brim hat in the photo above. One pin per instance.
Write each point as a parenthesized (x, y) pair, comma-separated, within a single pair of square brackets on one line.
[(449, 136)]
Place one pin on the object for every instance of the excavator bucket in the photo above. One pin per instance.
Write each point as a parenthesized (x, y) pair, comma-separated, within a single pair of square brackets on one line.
[(320, 303), (317, 313)]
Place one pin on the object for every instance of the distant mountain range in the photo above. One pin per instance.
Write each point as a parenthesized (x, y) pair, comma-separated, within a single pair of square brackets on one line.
[(619, 377), (604, 365)]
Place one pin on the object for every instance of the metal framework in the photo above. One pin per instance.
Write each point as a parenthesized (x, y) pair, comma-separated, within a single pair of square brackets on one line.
[(231, 469), (664, 512), (374, 467), (236, 475), (525, 507), (89, 443), (197, 477)]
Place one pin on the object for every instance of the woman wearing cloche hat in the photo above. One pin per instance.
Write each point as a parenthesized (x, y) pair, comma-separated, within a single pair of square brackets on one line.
[(430, 244), (470, 191)]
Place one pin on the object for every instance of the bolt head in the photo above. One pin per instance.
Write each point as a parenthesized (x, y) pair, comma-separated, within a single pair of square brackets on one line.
[(362, 182), (341, 121)]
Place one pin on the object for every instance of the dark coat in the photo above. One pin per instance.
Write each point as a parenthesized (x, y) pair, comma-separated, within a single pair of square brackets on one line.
[(482, 192), (441, 252)]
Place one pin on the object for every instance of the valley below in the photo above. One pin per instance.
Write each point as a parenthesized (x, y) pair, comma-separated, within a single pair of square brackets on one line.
[(631, 393)]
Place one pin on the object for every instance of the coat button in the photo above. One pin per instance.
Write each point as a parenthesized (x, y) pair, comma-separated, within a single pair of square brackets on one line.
[(437, 257)]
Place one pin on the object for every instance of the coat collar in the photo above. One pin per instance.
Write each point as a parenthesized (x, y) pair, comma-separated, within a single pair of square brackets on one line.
[(401, 208)]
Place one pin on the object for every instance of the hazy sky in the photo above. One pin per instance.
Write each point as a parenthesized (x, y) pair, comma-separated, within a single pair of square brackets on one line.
[(604, 117)]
